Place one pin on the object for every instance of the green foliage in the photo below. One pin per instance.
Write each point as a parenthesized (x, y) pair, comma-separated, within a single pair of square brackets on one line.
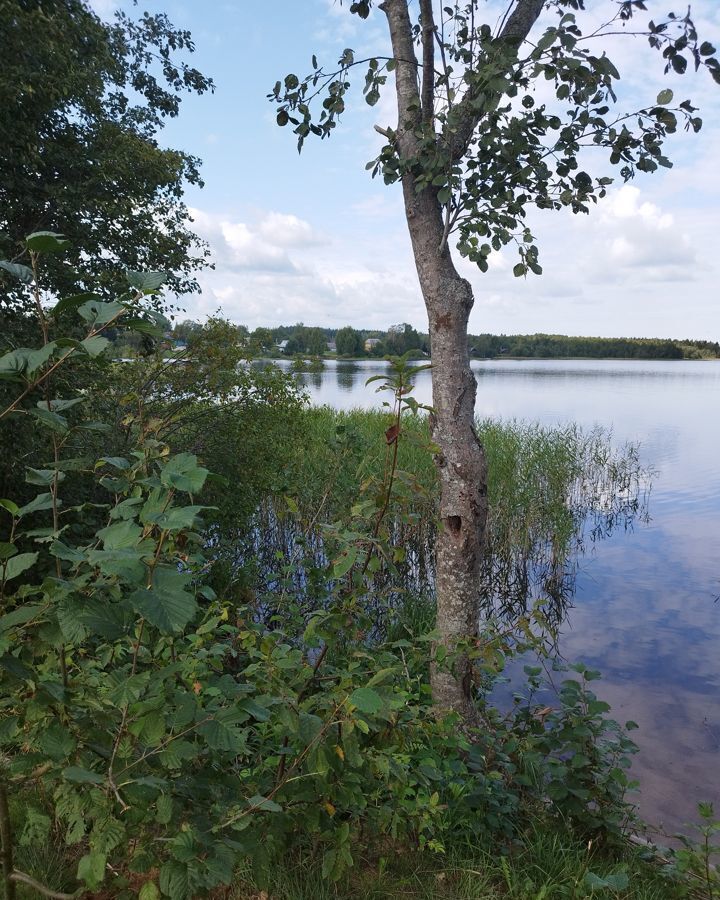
[(580, 754), (81, 103), (698, 854), (167, 734), (349, 342), (476, 140)]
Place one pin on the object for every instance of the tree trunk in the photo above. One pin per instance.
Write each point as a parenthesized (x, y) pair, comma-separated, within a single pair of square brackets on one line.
[(461, 461), (448, 300)]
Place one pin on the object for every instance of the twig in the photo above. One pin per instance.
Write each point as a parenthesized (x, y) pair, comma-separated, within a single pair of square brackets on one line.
[(41, 889)]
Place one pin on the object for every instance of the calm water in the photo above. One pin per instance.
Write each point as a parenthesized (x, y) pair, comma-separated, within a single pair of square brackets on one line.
[(647, 608)]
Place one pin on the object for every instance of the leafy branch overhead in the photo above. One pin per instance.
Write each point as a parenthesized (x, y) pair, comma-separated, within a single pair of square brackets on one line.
[(494, 121), (83, 102)]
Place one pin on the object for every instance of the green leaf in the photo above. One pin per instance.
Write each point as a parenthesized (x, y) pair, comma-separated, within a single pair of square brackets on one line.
[(91, 869), (616, 882), (13, 364), (16, 565), (126, 563), (11, 507), (95, 345), (547, 40), (46, 242), (152, 728), (164, 806), (147, 282), (366, 700), (36, 828), (182, 472), (52, 420), (36, 359), (178, 518), (121, 535), (100, 312), (22, 272), (110, 620), (519, 270), (8, 729), (344, 563), (20, 616), (174, 880), (73, 302), (41, 502), (149, 891), (383, 676), (107, 834), (69, 618), (223, 736), (78, 775), (166, 605), (118, 462), (7, 550), (664, 97), (60, 405), (309, 727), (260, 802), (143, 326), (57, 742), (42, 477)]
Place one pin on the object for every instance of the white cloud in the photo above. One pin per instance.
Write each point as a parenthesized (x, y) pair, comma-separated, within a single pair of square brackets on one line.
[(638, 234), (285, 230), (279, 270)]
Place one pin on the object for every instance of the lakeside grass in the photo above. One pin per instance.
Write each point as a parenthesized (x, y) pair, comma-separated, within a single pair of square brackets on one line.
[(546, 862), (543, 864)]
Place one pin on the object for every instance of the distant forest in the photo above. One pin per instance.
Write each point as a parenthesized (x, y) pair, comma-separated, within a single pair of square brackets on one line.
[(554, 346), (349, 342)]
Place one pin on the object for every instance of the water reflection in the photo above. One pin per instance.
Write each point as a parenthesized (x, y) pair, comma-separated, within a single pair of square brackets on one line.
[(540, 526), (347, 374)]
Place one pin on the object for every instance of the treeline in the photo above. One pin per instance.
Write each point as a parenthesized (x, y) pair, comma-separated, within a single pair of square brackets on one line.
[(557, 346), (290, 340)]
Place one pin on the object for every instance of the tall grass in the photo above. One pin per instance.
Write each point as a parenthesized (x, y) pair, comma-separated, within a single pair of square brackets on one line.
[(551, 492), (544, 864)]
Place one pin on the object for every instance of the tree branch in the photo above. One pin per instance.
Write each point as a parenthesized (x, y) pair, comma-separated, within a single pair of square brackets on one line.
[(428, 48), (406, 86), (466, 117)]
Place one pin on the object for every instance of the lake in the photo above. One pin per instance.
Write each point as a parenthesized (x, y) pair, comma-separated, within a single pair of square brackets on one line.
[(646, 610)]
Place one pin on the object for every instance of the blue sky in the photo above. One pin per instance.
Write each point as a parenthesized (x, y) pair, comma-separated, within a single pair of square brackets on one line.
[(312, 238)]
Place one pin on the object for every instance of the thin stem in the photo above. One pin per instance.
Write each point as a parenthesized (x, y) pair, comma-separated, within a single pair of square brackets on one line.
[(6, 837), (40, 888), (296, 763), (428, 72)]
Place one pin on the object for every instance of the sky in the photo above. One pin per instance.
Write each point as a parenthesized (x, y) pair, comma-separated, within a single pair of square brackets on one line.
[(312, 238)]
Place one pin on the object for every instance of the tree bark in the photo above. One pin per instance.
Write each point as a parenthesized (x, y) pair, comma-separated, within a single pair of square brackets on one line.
[(461, 460)]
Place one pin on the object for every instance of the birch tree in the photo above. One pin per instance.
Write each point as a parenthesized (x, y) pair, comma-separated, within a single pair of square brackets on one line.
[(494, 117)]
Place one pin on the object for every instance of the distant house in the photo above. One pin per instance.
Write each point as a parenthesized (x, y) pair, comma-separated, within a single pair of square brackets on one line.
[(371, 343), (282, 346), (332, 346)]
